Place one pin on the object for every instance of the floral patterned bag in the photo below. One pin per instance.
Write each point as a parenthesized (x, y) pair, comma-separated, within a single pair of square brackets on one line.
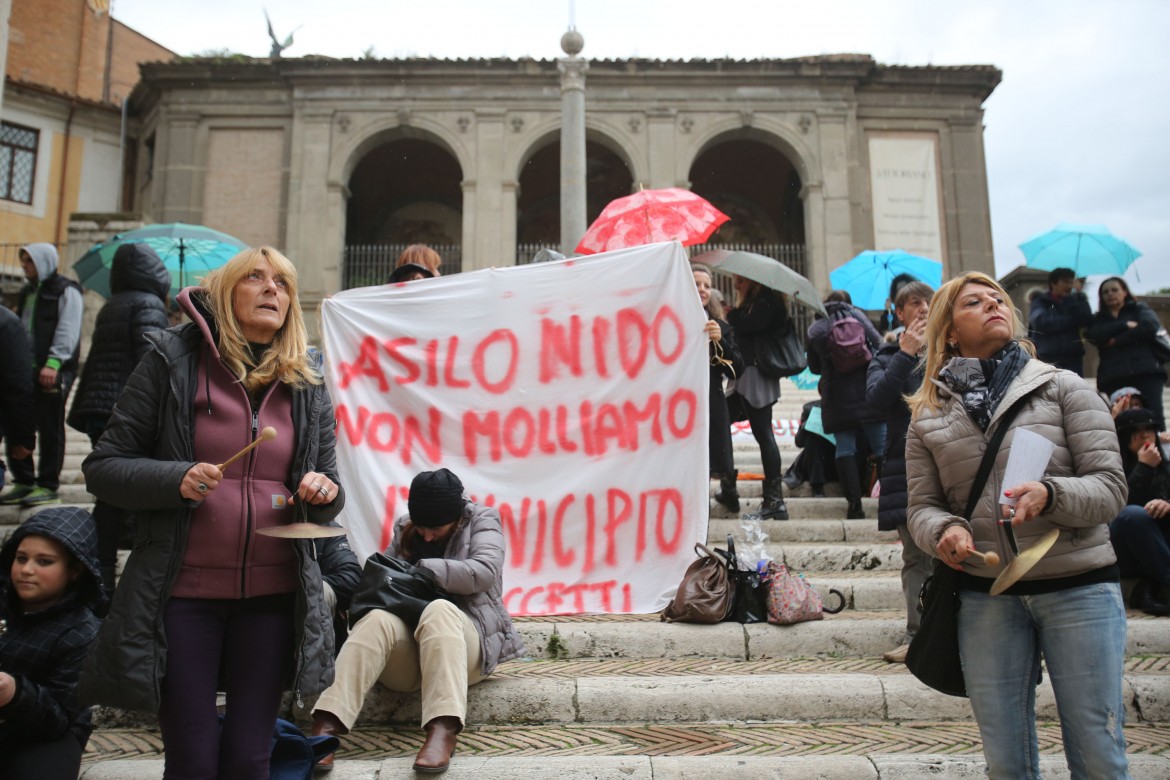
[(793, 599)]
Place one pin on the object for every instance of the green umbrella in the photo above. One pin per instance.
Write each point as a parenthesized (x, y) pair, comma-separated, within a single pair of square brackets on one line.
[(189, 252)]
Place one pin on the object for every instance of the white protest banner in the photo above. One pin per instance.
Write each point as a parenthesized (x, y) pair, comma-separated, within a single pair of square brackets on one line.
[(572, 396)]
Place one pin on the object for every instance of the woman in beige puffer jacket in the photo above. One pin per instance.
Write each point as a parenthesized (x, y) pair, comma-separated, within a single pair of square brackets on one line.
[(1068, 607)]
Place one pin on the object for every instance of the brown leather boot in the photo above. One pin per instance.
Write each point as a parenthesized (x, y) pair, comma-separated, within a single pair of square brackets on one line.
[(327, 724), (435, 755)]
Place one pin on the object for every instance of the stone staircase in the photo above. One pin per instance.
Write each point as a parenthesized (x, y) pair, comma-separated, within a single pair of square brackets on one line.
[(629, 697)]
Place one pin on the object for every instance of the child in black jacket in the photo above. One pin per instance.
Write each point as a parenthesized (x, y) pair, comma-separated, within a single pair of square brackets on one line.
[(50, 587)]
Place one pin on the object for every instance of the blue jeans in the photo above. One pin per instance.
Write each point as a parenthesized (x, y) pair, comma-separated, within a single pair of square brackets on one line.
[(875, 434), (1081, 632)]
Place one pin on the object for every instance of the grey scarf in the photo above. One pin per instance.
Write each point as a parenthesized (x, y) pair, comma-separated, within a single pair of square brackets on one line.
[(982, 384)]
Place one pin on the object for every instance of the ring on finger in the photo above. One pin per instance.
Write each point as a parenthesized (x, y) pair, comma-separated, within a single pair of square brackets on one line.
[(324, 491), (201, 487)]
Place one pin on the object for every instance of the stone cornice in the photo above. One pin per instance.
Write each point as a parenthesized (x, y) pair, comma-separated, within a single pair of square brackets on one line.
[(856, 70)]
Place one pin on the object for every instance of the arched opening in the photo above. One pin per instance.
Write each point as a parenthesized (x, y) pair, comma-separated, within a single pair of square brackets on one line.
[(538, 206), (406, 191), (758, 187), (755, 185)]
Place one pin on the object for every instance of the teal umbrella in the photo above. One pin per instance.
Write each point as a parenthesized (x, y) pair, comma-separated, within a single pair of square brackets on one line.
[(188, 251), (1087, 249)]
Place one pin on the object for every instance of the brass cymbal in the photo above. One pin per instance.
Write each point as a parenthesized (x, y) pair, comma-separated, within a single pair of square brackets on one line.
[(1024, 562), (301, 531)]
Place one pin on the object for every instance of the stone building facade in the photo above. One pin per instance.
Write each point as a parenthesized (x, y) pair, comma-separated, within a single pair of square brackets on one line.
[(315, 155)]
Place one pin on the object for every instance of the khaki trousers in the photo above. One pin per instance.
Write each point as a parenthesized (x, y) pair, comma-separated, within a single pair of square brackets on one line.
[(442, 657)]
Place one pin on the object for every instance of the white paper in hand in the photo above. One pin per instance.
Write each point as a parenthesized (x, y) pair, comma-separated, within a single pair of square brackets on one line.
[(1027, 461)]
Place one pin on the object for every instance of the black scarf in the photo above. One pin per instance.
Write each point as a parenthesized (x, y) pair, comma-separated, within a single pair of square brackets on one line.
[(968, 379)]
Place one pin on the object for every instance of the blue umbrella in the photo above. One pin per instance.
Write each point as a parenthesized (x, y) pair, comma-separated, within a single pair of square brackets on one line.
[(1087, 249), (867, 277), (188, 251)]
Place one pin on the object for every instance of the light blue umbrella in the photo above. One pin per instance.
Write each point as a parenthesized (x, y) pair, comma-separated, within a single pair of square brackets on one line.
[(867, 277), (1087, 249)]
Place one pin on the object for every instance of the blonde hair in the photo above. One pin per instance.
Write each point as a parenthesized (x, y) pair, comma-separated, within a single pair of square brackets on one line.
[(420, 254), (938, 325), (287, 360), (714, 304)]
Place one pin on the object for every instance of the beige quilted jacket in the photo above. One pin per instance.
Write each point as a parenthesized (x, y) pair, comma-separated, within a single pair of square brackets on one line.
[(944, 448)]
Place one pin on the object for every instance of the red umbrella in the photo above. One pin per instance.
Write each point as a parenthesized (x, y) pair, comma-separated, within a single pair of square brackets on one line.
[(652, 216)]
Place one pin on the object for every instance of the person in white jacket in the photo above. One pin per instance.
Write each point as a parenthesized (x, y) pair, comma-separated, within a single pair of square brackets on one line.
[(1068, 608)]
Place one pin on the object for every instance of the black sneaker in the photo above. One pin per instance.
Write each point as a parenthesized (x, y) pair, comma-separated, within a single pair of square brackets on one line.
[(40, 496), (16, 494)]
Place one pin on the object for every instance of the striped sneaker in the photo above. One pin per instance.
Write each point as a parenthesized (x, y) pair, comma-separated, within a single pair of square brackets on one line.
[(16, 494), (40, 496)]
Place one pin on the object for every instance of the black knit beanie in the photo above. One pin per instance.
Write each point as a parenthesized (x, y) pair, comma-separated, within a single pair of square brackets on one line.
[(436, 498)]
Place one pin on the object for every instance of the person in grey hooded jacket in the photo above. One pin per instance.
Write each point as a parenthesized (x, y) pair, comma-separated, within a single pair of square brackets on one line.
[(457, 642), (140, 284), (50, 308)]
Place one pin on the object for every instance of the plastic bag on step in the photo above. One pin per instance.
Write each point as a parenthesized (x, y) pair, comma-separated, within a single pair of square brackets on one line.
[(753, 545)]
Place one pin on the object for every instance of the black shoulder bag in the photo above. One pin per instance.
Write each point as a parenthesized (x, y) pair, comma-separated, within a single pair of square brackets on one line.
[(396, 586), (933, 656)]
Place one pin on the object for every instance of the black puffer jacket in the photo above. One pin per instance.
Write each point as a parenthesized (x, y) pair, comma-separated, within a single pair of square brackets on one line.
[(843, 405), (1125, 352), (18, 420), (43, 650), (764, 313), (339, 567), (138, 465), (139, 282), (1054, 325), (891, 375)]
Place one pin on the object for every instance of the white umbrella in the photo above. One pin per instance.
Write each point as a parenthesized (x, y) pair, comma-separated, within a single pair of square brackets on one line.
[(767, 271)]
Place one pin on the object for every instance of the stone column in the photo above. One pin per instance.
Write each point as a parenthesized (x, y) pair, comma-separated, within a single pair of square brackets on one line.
[(837, 238), (177, 199), (485, 226), (965, 199), (661, 149), (572, 69)]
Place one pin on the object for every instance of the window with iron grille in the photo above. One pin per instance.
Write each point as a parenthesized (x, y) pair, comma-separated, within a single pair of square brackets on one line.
[(18, 162)]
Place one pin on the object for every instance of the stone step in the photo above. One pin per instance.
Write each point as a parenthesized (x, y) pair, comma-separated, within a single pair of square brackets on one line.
[(850, 634), (801, 529), (495, 761), (829, 508), (704, 690), (820, 558)]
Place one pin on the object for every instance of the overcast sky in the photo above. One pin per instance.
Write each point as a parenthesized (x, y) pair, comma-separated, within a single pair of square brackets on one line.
[(1077, 131)]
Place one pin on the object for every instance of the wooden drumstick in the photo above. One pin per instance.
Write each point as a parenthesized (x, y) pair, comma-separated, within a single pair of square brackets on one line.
[(268, 434), (991, 558)]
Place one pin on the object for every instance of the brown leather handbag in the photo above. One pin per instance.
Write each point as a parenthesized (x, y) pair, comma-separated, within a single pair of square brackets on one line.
[(706, 593)]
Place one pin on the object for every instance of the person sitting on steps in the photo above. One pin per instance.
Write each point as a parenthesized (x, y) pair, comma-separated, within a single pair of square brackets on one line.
[(456, 644)]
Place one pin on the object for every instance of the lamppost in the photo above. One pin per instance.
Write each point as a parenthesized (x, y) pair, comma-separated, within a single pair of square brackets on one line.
[(572, 69)]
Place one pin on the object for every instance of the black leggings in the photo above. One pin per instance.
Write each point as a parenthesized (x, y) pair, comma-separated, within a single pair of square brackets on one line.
[(57, 759), (761, 422)]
